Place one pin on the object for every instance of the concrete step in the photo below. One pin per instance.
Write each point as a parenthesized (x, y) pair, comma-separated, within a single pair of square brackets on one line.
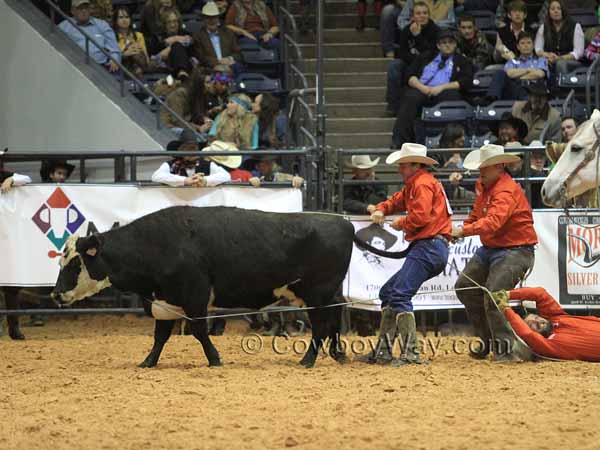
[(354, 65), (355, 110), (359, 140), (345, 21), (354, 125), (359, 94), (346, 50), (345, 79), (343, 35)]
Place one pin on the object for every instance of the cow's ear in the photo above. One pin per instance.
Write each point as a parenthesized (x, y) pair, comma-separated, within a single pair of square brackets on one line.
[(89, 245)]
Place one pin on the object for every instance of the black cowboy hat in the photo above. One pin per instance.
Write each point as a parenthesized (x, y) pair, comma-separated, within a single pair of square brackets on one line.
[(368, 233), (186, 137), (518, 124), (445, 33), (50, 165), (538, 88)]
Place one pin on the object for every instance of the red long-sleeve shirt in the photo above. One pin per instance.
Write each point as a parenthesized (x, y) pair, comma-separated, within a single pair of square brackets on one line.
[(573, 337), (501, 215), (424, 199)]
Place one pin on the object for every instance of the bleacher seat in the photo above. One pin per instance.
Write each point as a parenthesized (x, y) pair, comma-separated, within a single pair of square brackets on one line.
[(257, 83), (255, 54), (433, 141), (574, 80), (573, 108), (484, 20), (480, 140), (193, 26), (493, 112), (482, 81), (586, 17), (454, 111)]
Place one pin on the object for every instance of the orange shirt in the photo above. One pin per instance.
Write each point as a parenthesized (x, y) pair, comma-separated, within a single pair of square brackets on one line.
[(573, 337), (424, 199), (501, 215)]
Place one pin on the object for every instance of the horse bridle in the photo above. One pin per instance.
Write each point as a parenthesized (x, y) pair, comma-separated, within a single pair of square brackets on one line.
[(589, 156)]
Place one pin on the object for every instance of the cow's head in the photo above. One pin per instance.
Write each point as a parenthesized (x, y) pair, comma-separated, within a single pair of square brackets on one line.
[(82, 271)]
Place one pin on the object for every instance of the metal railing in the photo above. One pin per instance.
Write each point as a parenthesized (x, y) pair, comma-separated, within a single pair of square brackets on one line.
[(593, 70)]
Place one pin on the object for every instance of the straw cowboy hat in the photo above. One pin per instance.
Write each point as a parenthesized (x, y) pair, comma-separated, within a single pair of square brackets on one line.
[(363, 162), (210, 10), (488, 155), (410, 153), (232, 162)]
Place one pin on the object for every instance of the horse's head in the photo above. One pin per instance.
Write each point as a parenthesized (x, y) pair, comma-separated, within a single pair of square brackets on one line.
[(575, 171)]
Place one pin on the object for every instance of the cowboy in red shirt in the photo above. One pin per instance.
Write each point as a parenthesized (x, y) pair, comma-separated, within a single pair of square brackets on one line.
[(553, 333), (503, 220), (427, 227)]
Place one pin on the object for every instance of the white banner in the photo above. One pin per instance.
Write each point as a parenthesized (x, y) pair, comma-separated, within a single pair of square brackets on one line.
[(36, 220)]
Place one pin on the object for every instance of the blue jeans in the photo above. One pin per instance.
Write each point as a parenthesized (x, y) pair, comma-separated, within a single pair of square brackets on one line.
[(272, 44), (426, 259), (506, 88), (389, 27)]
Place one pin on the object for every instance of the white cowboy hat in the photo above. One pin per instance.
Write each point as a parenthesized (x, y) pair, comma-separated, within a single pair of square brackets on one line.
[(363, 162), (233, 161), (488, 155), (410, 153), (210, 9)]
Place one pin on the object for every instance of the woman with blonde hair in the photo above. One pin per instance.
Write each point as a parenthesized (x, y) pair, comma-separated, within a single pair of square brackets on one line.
[(237, 124), (170, 49)]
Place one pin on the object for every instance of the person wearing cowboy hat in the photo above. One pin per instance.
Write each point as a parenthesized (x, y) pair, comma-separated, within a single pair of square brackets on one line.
[(427, 227), (503, 220), (509, 129), (537, 113), (55, 170), (266, 169), (362, 198), (194, 170), (8, 179)]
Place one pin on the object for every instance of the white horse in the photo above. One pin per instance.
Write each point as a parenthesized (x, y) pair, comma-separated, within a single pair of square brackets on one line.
[(577, 168)]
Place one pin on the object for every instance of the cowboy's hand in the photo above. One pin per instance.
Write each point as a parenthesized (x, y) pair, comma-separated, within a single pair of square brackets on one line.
[(371, 209), (457, 232), (378, 217), (7, 185), (397, 224), (254, 181), (297, 182), (195, 180), (501, 298)]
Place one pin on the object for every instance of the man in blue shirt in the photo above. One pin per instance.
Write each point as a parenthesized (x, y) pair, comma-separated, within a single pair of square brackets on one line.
[(98, 29), (518, 73)]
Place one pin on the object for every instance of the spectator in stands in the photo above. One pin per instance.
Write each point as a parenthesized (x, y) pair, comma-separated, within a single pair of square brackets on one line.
[(253, 21), (170, 49), (415, 39), (453, 136), (362, 198), (191, 170), (216, 45), (456, 192), (265, 169), (560, 40), (55, 170), (237, 124), (441, 12), (473, 44), (272, 124), (99, 29), (538, 115), (150, 23), (537, 169), (389, 26), (231, 165), (568, 128), (518, 73), (592, 51), (532, 9), (8, 180), (509, 129), (432, 78), (132, 43), (570, 5), (189, 102), (362, 13), (217, 92), (475, 5), (102, 9), (506, 40)]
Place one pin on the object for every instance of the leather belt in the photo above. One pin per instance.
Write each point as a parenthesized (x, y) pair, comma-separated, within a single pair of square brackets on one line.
[(441, 238)]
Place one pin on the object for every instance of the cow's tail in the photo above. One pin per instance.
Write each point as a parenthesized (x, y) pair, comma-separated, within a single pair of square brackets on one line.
[(392, 255)]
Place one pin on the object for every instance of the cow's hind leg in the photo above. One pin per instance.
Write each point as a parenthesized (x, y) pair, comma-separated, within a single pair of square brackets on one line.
[(12, 302), (200, 332), (334, 321), (162, 333)]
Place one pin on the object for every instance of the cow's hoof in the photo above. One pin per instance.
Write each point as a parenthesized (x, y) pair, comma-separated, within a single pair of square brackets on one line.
[(17, 336), (147, 365), (308, 362), (340, 358), (216, 363)]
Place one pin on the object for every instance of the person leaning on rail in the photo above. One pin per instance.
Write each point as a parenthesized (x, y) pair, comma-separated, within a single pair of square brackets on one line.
[(503, 220), (427, 227)]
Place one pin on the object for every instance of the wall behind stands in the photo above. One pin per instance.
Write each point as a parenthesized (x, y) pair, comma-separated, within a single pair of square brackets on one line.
[(48, 104)]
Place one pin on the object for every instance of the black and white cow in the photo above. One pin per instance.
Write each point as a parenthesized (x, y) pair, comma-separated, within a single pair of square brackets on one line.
[(184, 255)]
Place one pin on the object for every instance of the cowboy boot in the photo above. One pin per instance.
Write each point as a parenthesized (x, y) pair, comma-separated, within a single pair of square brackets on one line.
[(362, 15), (382, 353), (482, 331), (407, 331)]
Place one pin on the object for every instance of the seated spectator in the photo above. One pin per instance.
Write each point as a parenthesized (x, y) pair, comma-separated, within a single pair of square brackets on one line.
[(538, 115), (99, 29), (189, 102), (560, 40), (441, 11), (537, 169), (150, 19), (272, 124), (415, 39), (362, 198), (217, 92), (453, 136), (265, 169), (216, 45), (509, 129), (518, 73), (389, 26), (506, 39), (253, 21), (592, 51), (237, 124), (568, 128), (533, 11), (170, 49), (461, 6), (132, 43), (473, 44), (432, 78), (55, 170), (102, 9), (362, 13), (8, 180), (570, 5), (192, 170)]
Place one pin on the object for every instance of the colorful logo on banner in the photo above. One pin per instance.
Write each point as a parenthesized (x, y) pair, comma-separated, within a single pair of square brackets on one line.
[(58, 218), (579, 259)]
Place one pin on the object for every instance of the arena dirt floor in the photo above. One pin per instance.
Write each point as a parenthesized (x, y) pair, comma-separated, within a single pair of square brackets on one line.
[(74, 384)]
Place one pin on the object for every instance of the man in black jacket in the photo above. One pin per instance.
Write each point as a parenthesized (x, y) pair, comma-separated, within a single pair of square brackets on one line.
[(432, 78), (362, 198)]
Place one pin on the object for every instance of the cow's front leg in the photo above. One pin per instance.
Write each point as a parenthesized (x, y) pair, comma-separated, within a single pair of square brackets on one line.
[(12, 302), (200, 332), (162, 333)]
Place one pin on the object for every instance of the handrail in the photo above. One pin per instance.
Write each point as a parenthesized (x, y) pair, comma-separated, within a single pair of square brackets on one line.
[(290, 17), (294, 44), (310, 136), (298, 72), (124, 71), (588, 86)]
